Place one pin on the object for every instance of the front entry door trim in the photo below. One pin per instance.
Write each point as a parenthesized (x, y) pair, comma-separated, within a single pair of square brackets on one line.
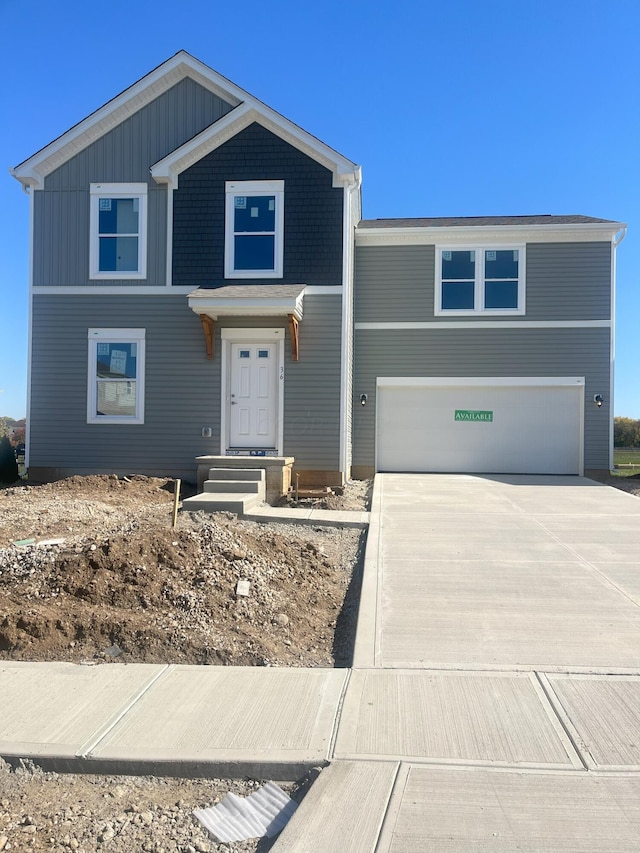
[(264, 336)]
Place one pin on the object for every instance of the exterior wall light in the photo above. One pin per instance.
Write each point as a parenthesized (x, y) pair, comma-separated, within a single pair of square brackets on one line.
[(598, 400), (363, 399)]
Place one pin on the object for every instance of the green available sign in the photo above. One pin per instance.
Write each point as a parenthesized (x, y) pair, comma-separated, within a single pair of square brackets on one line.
[(470, 415)]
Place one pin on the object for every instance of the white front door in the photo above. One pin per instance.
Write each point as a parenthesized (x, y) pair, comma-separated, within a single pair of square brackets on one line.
[(253, 395)]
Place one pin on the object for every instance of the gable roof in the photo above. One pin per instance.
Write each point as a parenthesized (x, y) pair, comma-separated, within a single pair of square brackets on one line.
[(32, 172)]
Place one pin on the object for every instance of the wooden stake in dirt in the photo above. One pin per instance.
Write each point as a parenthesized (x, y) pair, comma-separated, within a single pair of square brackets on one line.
[(176, 500)]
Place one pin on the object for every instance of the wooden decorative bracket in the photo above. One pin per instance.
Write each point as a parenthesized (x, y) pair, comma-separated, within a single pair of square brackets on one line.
[(207, 328), (293, 330)]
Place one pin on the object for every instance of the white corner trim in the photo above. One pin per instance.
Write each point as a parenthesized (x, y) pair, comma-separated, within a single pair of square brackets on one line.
[(432, 325), (168, 276), (481, 381)]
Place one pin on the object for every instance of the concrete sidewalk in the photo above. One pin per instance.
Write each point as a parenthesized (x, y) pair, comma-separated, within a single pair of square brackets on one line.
[(494, 702)]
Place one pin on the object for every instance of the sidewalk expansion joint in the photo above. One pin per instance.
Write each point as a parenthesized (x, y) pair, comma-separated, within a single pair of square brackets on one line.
[(90, 745), (338, 715), (562, 717)]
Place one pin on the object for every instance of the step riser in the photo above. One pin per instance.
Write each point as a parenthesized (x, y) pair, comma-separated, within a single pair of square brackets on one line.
[(243, 474), (233, 486), (221, 503)]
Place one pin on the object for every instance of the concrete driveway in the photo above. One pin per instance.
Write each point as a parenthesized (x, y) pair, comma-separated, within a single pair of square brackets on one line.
[(494, 702), (491, 572)]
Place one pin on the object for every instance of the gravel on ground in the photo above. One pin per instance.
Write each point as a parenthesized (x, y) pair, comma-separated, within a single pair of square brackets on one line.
[(118, 584)]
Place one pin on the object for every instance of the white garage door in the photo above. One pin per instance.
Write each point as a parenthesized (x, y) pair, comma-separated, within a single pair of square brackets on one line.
[(480, 425)]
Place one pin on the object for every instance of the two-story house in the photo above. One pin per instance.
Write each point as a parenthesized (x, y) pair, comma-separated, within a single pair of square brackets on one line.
[(202, 284)]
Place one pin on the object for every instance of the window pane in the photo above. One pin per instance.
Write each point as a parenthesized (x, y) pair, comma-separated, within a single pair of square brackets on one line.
[(116, 398), (501, 294), (116, 360), (118, 215), (457, 294), (254, 213), (458, 265), (118, 254), (254, 253), (501, 263)]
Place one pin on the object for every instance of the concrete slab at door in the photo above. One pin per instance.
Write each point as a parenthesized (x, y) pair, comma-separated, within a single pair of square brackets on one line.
[(452, 717), (58, 710)]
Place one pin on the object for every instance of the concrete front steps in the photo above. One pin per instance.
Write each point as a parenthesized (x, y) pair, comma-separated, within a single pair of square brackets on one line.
[(229, 490)]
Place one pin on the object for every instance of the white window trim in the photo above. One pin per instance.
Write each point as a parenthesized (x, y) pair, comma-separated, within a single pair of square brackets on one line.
[(236, 188), (127, 336), (138, 191), (478, 300)]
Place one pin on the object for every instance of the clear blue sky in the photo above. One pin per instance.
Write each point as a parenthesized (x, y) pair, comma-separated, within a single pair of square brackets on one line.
[(458, 108)]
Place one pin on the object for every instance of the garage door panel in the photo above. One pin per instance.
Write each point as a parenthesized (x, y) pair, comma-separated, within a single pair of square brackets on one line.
[(533, 430)]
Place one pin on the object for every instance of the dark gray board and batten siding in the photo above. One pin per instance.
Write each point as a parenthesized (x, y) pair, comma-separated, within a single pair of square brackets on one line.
[(564, 281), (183, 390), (123, 155), (313, 211)]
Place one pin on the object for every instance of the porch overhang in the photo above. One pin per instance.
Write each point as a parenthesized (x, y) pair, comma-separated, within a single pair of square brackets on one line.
[(248, 300)]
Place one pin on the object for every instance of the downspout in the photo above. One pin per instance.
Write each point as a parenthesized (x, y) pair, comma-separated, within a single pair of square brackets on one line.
[(618, 237), (27, 436), (350, 188)]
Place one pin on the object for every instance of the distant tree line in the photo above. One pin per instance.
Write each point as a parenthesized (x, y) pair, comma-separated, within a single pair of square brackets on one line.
[(14, 430), (626, 432)]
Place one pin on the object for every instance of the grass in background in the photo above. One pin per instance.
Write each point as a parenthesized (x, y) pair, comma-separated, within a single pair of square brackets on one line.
[(629, 459)]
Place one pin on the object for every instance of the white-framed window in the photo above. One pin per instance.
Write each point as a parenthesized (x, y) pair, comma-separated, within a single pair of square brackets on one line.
[(118, 223), (254, 229), (115, 392), (480, 280)]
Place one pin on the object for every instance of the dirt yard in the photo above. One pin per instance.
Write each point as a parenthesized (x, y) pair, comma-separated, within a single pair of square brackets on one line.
[(123, 585)]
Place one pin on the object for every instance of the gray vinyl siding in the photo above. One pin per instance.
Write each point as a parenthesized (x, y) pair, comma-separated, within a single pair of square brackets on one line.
[(569, 281), (183, 389), (490, 352), (394, 284), (62, 250), (564, 281), (123, 155), (312, 387)]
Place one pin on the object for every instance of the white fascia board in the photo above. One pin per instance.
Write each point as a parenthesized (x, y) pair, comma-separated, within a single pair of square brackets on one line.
[(243, 307), (487, 234), (481, 381), (167, 170), (33, 171)]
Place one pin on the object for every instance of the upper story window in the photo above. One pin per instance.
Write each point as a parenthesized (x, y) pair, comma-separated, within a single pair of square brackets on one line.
[(254, 229), (480, 280), (118, 231), (115, 393)]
